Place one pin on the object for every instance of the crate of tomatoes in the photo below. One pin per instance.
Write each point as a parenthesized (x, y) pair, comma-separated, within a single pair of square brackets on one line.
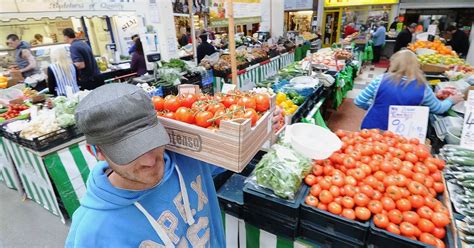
[(389, 180), (226, 130)]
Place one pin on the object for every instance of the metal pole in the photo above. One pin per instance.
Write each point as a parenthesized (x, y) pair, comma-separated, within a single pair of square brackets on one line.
[(233, 59), (193, 31)]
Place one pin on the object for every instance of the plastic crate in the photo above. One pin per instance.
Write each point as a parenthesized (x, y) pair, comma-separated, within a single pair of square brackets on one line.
[(51, 140), (194, 78), (271, 222), (307, 105), (336, 225), (262, 200), (221, 178), (222, 74), (169, 90), (324, 239), (381, 238), (231, 197)]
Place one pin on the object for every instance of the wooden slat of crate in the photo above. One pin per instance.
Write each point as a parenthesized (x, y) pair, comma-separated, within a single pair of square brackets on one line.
[(447, 202), (230, 147), (434, 68)]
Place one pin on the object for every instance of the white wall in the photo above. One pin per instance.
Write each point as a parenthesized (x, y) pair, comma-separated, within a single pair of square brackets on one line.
[(277, 20)]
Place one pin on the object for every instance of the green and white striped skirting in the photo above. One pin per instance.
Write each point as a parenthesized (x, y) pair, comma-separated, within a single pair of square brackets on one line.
[(33, 177), (286, 59), (8, 174), (243, 235)]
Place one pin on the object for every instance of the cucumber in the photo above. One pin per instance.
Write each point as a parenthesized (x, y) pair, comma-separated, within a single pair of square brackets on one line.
[(461, 160)]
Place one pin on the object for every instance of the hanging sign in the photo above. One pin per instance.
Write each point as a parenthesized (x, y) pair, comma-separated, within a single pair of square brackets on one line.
[(20, 6), (409, 121), (245, 12), (298, 5), (343, 3), (467, 137)]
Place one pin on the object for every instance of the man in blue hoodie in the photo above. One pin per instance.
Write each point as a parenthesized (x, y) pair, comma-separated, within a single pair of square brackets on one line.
[(140, 195)]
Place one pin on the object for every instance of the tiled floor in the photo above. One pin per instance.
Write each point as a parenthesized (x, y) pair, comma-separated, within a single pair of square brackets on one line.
[(349, 116)]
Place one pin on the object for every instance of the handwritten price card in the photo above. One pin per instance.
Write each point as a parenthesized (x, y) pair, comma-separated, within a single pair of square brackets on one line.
[(467, 138), (409, 121)]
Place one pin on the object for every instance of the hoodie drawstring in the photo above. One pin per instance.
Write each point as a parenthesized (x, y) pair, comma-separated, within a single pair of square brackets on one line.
[(184, 193), (187, 209)]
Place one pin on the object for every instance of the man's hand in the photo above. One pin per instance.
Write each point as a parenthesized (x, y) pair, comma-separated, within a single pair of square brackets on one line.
[(277, 118)]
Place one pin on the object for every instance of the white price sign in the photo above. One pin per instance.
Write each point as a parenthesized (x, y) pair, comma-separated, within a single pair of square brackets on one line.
[(467, 137), (409, 121)]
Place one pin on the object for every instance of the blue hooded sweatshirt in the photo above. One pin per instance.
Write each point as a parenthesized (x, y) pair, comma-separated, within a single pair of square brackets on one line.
[(109, 217)]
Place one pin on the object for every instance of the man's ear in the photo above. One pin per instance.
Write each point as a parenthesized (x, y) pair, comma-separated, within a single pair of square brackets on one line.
[(95, 151)]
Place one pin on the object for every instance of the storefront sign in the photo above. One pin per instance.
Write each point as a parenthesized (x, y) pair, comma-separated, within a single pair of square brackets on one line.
[(409, 121), (245, 12), (20, 6), (298, 5), (345, 3)]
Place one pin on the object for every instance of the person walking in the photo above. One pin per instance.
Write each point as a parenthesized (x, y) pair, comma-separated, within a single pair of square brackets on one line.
[(404, 84), (138, 63), (204, 48), (62, 74), (378, 38), (25, 61), (139, 194), (404, 37), (83, 59)]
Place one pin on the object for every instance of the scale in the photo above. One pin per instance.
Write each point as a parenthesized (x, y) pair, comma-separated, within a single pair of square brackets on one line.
[(112, 52)]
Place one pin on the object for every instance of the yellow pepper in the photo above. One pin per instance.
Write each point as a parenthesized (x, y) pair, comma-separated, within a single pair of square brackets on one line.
[(281, 97)]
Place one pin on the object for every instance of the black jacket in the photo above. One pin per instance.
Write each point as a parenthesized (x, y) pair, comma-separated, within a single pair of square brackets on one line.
[(403, 39), (460, 43), (204, 49)]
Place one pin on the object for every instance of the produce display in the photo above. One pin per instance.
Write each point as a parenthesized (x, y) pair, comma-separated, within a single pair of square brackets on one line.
[(457, 72), (282, 170), (436, 45), (440, 59), (459, 175), (208, 111), (386, 176), (12, 111), (325, 57), (289, 102)]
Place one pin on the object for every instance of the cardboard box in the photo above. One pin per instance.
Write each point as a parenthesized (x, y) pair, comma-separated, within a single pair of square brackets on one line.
[(434, 68)]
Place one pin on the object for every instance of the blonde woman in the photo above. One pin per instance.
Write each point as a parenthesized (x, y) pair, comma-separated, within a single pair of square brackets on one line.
[(61, 73), (404, 84)]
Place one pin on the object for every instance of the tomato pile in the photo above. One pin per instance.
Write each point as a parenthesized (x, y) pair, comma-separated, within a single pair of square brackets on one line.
[(386, 176), (208, 111), (13, 111)]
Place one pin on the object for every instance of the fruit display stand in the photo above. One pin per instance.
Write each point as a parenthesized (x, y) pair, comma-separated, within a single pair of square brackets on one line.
[(62, 169), (258, 72)]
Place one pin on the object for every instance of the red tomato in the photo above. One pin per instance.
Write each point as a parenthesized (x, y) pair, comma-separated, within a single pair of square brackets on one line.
[(439, 232), (362, 213), (311, 201), (407, 229), (387, 203), (322, 206), (411, 217), (422, 153), (440, 219), (203, 119), (428, 239), (213, 108), (187, 100), (338, 180), (158, 103), (411, 157), (325, 197), (425, 212), (381, 221), (416, 201), (393, 228), (361, 199), (425, 225), (335, 191), (247, 102), (252, 115), (348, 213), (310, 179), (375, 207), (347, 202), (438, 187), (221, 115), (334, 208), (403, 204), (395, 216), (317, 170), (262, 102), (171, 103), (229, 101), (185, 115), (315, 190), (169, 115), (349, 190)]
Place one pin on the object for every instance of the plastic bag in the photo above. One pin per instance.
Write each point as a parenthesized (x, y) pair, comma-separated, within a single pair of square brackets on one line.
[(282, 170)]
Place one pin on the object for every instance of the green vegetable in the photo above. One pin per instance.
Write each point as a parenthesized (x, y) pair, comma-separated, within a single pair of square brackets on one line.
[(282, 170), (176, 63)]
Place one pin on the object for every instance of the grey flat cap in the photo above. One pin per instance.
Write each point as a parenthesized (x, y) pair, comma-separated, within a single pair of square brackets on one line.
[(121, 120)]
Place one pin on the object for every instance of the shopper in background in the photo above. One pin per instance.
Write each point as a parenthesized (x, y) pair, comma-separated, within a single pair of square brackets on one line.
[(185, 37), (349, 29), (204, 48), (404, 84), (140, 195), (83, 59), (25, 61), (40, 39), (459, 41), (404, 38), (138, 63), (394, 24), (378, 38), (131, 50), (62, 74)]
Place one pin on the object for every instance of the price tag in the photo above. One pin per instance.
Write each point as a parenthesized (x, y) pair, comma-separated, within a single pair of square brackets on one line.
[(409, 121), (467, 137), (227, 87)]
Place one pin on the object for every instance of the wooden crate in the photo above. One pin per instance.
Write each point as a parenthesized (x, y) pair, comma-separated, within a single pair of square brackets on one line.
[(232, 146), (434, 68)]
